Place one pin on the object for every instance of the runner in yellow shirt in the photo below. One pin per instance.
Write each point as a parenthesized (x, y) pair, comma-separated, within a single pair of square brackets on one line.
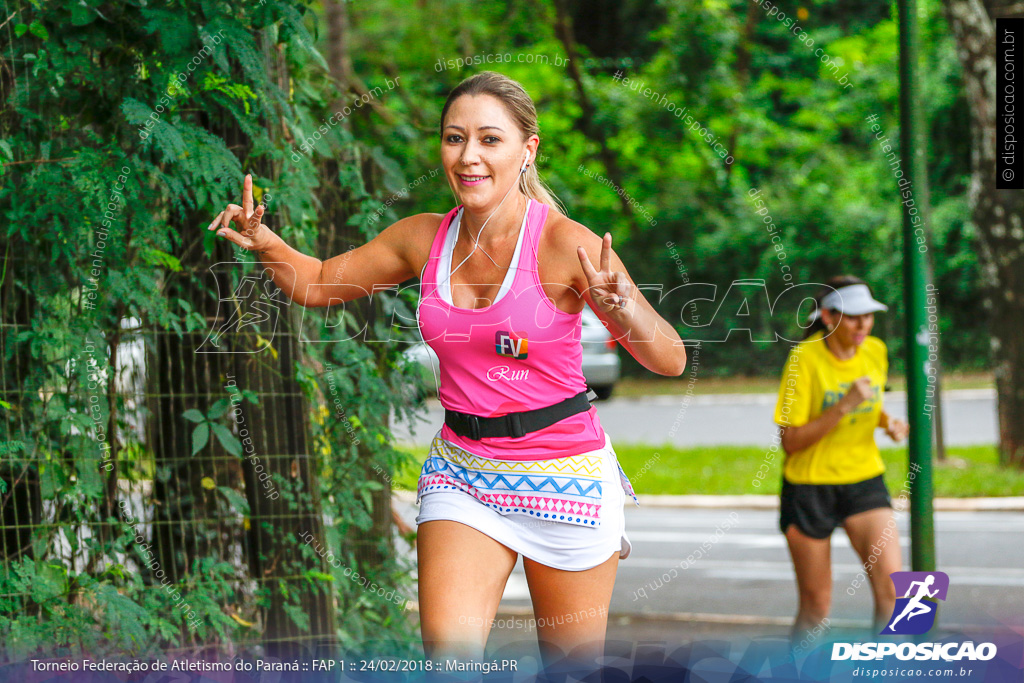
[(829, 405)]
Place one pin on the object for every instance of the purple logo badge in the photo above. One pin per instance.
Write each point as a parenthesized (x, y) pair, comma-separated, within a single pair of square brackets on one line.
[(914, 612)]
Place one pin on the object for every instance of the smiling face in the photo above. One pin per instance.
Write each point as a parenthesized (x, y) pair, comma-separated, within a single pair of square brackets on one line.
[(848, 330), (482, 150)]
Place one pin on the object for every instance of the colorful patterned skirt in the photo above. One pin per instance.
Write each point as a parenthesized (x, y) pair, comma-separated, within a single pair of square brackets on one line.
[(564, 512)]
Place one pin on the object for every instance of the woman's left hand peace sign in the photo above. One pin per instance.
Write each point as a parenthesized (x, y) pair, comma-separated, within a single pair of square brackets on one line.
[(610, 291)]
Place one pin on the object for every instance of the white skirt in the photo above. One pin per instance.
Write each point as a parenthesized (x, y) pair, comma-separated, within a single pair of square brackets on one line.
[(555, 544)]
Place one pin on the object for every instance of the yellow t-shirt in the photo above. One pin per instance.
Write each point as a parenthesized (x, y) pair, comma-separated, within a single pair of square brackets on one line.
[(814, 380)]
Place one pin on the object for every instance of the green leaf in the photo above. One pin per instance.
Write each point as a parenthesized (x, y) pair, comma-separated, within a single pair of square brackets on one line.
[(39, 30), (121, 612), (200, 437), (298, 615), (218, 408), (19, 29), (155, 257), (81, 14), (71, 539), (235, 499), (136, 112), (193, 415), (49, 583), (227, 439)]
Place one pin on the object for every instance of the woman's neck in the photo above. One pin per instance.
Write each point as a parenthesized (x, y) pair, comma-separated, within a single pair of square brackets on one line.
[(503, 224), (838, 349)]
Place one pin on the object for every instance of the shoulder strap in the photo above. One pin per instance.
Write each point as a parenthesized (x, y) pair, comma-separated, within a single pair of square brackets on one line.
[(429, 272), (538, 214)]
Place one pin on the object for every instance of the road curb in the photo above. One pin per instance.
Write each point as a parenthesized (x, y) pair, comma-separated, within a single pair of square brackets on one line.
[(761, 502), (628, 618)]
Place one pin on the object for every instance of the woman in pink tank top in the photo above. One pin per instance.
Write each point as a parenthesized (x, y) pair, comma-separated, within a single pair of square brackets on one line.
[(522, 465), (517, 354)]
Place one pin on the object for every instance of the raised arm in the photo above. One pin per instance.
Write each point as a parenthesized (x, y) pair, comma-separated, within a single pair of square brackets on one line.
[(388, 259), (620, 304)]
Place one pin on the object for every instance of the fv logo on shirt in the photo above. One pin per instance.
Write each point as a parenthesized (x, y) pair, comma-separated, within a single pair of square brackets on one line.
[(507, 344)]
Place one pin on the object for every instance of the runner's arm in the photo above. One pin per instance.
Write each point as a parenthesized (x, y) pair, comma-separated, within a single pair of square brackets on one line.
[(641, 330), (310, 282), (798, 438)]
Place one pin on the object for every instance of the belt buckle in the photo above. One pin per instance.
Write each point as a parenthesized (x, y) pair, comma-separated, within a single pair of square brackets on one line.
[(474, 427), (515, 424)]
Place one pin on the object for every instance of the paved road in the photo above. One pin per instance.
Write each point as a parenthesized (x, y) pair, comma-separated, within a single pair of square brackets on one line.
[(746, 577), (737, 419)]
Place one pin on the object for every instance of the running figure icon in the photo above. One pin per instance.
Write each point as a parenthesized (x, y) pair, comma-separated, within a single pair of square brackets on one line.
[(915, 606), (919, 590)]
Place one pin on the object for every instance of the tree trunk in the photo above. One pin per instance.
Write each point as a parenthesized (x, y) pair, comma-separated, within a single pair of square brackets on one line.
[(184, 518), (336, 237), (280, 514), (21, 498), (997, 214), (742, 73), (587, 122), (194, 520)]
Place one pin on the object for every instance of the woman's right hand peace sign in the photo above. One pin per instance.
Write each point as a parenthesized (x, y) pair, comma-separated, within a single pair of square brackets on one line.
[(609, 290), (249, 232)]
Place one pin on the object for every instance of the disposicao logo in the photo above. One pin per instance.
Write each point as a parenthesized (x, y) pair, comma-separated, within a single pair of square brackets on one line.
[(914, 614), (507, 344)]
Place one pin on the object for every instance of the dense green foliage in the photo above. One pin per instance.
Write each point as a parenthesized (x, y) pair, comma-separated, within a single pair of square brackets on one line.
[(95, 115), (96, 119), (794, 132)]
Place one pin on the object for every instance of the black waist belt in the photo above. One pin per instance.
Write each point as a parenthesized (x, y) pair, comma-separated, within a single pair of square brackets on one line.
[(514, 424)]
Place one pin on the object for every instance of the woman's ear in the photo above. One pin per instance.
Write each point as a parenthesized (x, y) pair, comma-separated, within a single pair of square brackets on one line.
[(828, 317)]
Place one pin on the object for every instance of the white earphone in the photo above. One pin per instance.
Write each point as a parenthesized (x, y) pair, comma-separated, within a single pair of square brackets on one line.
[(476, 240), (526, 162)]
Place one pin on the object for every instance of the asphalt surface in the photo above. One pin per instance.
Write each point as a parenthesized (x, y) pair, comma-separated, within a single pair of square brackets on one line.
[(744, 584), (744, 587), (969, 417)]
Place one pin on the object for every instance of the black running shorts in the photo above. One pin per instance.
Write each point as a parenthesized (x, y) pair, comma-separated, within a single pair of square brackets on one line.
[(817, 509)]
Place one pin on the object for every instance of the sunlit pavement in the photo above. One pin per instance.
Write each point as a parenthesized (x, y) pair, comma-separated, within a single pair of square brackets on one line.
[(743, 586), (744, 583)]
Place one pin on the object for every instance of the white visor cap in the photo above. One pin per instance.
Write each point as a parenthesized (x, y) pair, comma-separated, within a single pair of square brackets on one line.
[(850, 300)]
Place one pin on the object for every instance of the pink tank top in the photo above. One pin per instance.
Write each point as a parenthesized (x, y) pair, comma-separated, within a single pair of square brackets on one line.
[(519, 353)]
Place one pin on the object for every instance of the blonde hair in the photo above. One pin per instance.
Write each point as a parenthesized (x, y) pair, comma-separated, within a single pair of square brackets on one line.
[(520, 107)]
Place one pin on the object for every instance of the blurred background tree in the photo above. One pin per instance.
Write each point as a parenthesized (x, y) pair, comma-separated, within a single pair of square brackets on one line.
[(997, 214), (79, 80)]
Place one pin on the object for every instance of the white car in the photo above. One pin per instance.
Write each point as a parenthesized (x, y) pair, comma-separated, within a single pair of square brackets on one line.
[(601, 365)]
